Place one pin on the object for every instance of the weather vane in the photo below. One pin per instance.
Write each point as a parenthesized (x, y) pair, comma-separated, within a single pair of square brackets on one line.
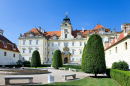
[(66, 13)]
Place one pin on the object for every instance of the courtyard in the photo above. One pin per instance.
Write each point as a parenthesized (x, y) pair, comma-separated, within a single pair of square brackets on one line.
[(41, 79)]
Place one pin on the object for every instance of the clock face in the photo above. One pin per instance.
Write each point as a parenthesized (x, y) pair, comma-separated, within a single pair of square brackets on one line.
[(65, 30)]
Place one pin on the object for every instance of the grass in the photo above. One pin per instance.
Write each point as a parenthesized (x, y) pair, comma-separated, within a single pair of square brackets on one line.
[(100, 81)]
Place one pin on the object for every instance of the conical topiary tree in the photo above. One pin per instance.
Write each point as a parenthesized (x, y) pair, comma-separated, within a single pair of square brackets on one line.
[(35, 60), (94, 56), (57, 59), (83, 65)]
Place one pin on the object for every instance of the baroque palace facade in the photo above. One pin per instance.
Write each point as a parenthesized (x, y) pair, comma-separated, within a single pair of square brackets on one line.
[(70, 42)]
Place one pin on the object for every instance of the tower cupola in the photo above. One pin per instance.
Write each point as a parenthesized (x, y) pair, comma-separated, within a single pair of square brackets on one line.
[(66, 19)]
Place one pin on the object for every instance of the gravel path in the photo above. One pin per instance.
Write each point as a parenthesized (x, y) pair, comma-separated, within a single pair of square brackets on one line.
[(43, 78)]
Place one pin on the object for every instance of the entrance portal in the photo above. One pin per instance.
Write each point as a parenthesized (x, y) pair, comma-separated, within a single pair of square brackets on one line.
[(65, 60)]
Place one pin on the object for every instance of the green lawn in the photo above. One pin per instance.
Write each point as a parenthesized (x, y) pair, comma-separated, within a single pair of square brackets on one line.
[(87, 82)]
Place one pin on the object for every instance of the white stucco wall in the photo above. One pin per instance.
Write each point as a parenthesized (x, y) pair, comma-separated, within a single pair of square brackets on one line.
[(8, 59), (122, 53)]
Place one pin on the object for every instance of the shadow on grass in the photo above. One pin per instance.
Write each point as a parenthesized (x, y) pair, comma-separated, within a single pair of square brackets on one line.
[(99, 77)]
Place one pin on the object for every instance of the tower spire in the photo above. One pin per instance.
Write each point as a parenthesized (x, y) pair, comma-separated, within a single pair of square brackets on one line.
[(66, 13)]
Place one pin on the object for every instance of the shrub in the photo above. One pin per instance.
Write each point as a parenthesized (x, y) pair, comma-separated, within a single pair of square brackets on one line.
[(73, 66), (35, 60), (122, 77), (115, 65), (57, 59), (26, 63), (121, 65), (46, 65), (94, 56), (19, 62)]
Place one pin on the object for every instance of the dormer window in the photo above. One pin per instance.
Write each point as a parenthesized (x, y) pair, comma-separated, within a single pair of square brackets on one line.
[(5, 44), (14, 47), (125, 29), (65, 24), (116, 36)]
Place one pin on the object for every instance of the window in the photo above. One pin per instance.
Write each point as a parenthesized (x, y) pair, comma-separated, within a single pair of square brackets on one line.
[(23, 58), (80, 43), (48, 52), (80, 59), (48, 59), (29, 58), (84, 43), (72, 52), (125, 29), (52, 52), (13, 55), (23, 42), (80, 52), (116, 49), (45, 51), (30, 42), (72, 59), (66, 52), (4, 53), (29, 50), (23, 50), (36, 41), (48, 45), (65, 24), (65, 44), (65, 35), (110, 52), (58, 44), (116, 36), (52, 44), (14, 46), (5, 44), (125, 45), (45, 43), (72, 43)]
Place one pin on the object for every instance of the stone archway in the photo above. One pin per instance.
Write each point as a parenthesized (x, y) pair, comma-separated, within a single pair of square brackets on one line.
[(66, 55), (65, 60)]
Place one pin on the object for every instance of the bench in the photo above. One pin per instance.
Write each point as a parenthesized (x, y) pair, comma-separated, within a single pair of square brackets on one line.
[(62, 68), (74, 70), (7, 78), (66, 75)]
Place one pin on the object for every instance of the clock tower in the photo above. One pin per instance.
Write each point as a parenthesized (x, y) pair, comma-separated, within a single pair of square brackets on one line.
[(66, 29)]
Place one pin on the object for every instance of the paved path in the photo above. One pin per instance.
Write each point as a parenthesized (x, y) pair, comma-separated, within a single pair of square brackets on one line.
[(43, 78)]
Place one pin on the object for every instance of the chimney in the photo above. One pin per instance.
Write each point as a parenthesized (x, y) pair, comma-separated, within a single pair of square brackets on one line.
[(39, 29), (114, 30), (82, 29), (1, 32)]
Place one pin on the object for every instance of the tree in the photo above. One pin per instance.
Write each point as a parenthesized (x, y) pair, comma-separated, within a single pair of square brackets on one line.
[(35, 60), (94, 56), (57, 59), (83, 65)]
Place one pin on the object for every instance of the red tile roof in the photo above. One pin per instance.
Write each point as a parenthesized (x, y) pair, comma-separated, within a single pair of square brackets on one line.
[(35, 30), (9, 44), (74, 33), (98, 26), (119, 39)]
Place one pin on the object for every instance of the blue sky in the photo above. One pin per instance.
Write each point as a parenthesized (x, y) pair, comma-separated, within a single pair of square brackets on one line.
[(20, 16)]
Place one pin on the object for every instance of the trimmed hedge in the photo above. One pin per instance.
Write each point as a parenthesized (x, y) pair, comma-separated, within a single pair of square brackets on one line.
[(35, 59), (121, 65), (57, 59), (46, 65), (122, 77), (73, 66)]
